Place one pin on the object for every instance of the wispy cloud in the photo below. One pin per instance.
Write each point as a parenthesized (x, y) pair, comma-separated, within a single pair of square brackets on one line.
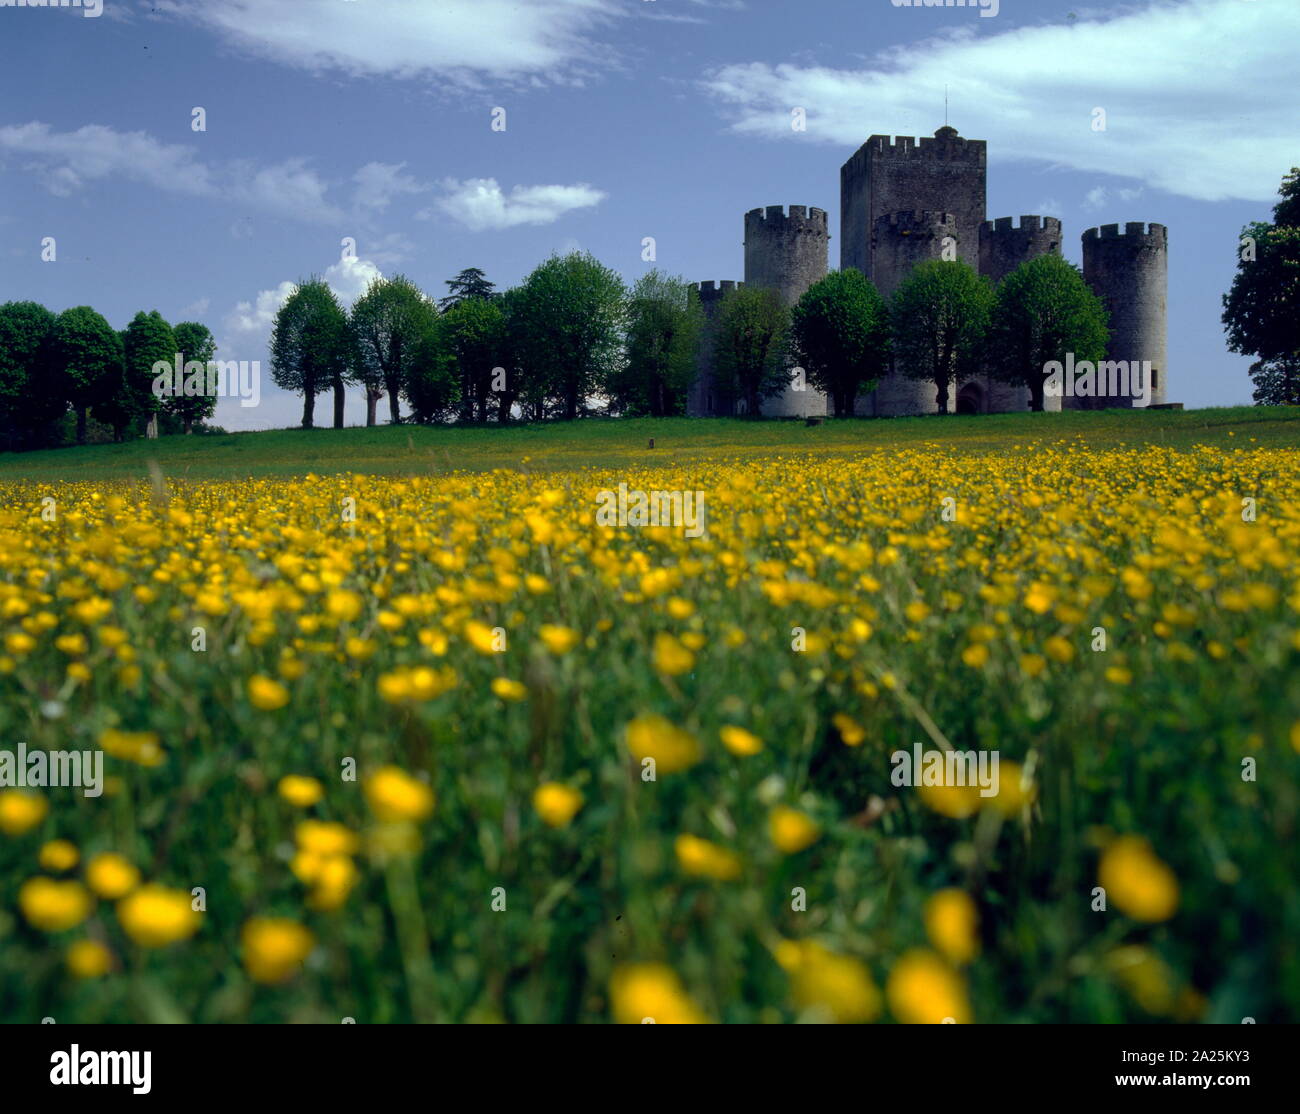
[(460, 41), (67, 162), (1183, 114), (480, 203)]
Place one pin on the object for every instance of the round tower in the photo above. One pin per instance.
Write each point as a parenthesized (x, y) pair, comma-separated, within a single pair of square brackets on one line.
[(707, 398), (1003, 247), (1129, 272), (786, 252), (899, 241)]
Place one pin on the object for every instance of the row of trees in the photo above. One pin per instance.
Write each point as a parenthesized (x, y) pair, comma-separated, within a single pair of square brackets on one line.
[(943, 323), (75, 363), (571, 331)]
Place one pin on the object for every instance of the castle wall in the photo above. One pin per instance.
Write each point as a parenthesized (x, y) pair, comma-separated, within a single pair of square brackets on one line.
[(787, 252), (1129, 272)]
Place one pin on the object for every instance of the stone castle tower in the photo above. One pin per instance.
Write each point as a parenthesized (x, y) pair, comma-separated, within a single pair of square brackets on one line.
[(787, 253), (906, 200), (1130, 274)]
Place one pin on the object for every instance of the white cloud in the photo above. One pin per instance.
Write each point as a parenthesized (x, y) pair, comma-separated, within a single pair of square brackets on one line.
[(195, 309), (1099, 197), (479, 203), (459, 41), (1198, 95), (379, 182), (69, 161)]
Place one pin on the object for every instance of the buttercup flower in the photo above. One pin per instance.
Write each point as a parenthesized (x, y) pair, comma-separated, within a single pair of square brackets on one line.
[(556, 804), (53, 906), (111, 876), (154, 916), (394, 795), (275, 948)]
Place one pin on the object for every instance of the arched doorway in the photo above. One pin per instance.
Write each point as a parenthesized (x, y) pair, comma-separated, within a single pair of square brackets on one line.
[(970, 399)]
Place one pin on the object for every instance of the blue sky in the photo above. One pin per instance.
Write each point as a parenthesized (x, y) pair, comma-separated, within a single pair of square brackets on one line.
[(372, 119)]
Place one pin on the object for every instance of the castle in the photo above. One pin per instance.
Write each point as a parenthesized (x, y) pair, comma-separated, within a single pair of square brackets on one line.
[(901, 201)]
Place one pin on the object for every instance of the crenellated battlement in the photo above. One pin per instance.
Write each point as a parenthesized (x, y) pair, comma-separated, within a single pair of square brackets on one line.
[(1133, 230), (946, 145), (711, 291), (799, 218), (1028, 224)]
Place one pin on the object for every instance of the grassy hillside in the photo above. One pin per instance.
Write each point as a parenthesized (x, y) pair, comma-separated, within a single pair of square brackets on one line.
[(417, 450)]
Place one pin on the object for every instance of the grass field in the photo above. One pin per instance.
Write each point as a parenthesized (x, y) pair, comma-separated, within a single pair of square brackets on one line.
[(425, 450), (395, 727)]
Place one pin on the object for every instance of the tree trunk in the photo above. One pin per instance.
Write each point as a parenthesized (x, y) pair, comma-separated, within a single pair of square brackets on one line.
[(1036, 396), (394, 406), (308, 408), (372, 405), (941, 396), (81, 425), (338, 402), (189, 426)]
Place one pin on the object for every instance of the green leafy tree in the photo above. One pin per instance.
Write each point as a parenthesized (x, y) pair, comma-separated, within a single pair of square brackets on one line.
[(118, 408), (1043, 311), (1261, 311), (431, 386), (148, 340), (87, 354), (475, 331), (750, 345), (31, 397), (840, 335), (569, 315), (1277, 382), (311, 346), (515, 387), (939, 318), (389, 322), (194, 341), (664, 320), (471, 283)]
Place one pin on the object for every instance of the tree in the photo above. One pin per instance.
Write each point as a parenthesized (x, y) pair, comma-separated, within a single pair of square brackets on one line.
[(939, 316), (310, 347), (88, 356), (516, 381), (194, 342), (117, 408), (475, 332), (750, 344), (431, 386), (1277, 382), (388, 323), (30, 398), (1261, 311), (663, 326), (569, 315), (840, 335), (148, 340), (1042, 312), (470, 283)]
